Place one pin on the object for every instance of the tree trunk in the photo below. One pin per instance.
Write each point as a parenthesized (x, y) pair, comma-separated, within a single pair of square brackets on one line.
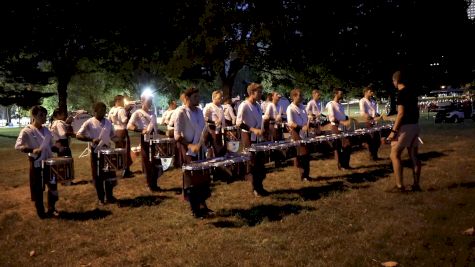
[(63, 81), (227, 79)]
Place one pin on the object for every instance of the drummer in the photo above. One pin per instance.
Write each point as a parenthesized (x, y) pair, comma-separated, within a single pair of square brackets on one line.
[(368, 110), (62, 132), (144, 121), (297, 121), (118, 117), (314, 110), (338, 120), (98, 131), (177, 158), (229, 116), (214, 115), (249, 119), (190, 134), (273, 119), (37, 141)]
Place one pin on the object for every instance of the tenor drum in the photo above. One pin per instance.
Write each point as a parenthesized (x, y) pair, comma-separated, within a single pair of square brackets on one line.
[(78, 118), (196, 173), (112, 159), (60, 169), (163, 147)]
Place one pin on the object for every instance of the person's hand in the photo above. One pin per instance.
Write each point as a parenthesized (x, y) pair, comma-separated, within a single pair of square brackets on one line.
[(256, 131), (37, 151), (391, 136), (195, 148), (305, 128), (96, 141), (145, 131)]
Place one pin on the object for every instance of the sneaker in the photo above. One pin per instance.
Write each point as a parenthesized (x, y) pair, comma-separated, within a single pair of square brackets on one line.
[(395, 189), (416, 188), (261, 193), (101, 203), (52, 213)]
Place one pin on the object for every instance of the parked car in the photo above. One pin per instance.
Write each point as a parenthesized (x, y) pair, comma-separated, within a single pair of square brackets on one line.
[(449, 113)]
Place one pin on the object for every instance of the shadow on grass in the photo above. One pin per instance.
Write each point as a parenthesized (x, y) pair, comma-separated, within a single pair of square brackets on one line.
[(95, 214), (433, 154), (141, 201), (309, 193), (256, 215), (454, 186), (8, 136)]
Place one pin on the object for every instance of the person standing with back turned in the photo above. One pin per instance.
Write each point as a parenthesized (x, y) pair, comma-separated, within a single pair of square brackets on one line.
[(405, 131)]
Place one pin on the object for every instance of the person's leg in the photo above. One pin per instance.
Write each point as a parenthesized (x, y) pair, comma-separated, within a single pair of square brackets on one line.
[(416, 165), (36, 186), (53, 197), (396, 152)]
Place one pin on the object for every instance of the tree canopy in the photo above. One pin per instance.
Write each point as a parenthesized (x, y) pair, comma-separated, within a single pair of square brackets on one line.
[(283, 43)]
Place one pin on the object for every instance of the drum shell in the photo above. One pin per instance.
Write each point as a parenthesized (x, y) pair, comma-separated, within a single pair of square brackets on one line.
[(231, 169), (196, 174), (60, 169), (284, 151), (260, 153), (112, 159), (163, 148)]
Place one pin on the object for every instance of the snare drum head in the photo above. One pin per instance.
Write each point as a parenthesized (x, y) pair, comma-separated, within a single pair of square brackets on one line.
[(57, 160), (109, 151), (233, 146)]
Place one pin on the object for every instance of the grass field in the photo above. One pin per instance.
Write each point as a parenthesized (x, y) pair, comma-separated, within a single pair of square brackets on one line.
[(343, 219)]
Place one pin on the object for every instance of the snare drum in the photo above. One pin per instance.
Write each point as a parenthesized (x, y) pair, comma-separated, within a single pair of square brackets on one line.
[(231, 168), (60, 169), (284, 151), (196, 174), (163, 147), (260, 152), (78, 118), (112, 159), (231, 133)]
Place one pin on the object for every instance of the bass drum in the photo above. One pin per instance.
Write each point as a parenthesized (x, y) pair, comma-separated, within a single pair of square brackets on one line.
[(78, 118)]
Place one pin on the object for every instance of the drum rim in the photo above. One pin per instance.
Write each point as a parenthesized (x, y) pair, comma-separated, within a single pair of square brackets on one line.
[(163, 140)]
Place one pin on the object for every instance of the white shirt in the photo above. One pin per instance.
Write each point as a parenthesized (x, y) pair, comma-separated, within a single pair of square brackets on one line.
[(272, 112), (174, 115), (189, 125), (32, 137), (264, 105), (368, 107), (59, 129), (167, 115), (229, 113), (251, 115), (96, 129), (118, 117), (314, 107), (336, 112), (214, 113), (298, 115), (142, 120)]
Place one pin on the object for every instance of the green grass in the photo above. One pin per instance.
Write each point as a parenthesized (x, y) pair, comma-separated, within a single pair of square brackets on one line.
[(344, 219)]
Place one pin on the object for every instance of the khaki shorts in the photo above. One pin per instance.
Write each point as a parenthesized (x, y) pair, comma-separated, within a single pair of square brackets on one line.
[(407, 136)]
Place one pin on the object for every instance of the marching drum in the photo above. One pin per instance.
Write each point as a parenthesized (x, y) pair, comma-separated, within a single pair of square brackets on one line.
[(196, 173), (231, 138), (112, 159), (284, 151), (231, 167), (163, 147), (60, 169), (261, 152)]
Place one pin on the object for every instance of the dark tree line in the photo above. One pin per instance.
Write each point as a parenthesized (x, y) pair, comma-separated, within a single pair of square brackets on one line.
[(288, 42)]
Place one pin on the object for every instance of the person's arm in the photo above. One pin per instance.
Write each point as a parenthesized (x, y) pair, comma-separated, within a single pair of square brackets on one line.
[(397, 122)]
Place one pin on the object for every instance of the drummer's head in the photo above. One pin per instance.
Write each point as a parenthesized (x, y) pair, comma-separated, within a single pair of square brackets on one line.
[(59, 114), (38, 115), (99, 110), (119, 100), (296, 95), (254, 91), (217, 97), (147, 101), (338, 93), (275, 97), (192, 97), (316, 94), (368, 91)]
